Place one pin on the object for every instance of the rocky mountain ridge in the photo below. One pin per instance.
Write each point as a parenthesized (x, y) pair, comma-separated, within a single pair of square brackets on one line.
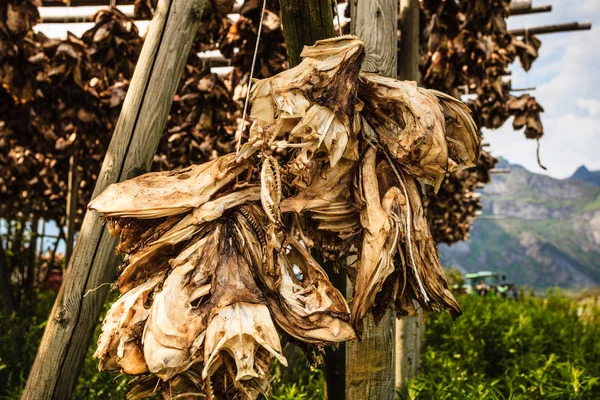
[(540, 231)]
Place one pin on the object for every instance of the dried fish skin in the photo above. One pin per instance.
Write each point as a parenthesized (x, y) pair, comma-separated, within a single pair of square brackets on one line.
[(339, 217), (135, 233), (270, 189), (214, 209), (155, 256), (175, 329), (328, 185), (161, 194), (379, 241), (118, 342), (426, 261), (312, 309), (319, 128), (239, 329), (321, 90), (464, 144), (151, 258), (409, 123)]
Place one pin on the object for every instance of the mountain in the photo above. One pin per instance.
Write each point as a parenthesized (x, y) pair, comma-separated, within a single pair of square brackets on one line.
[(585, 175), (538, 230)]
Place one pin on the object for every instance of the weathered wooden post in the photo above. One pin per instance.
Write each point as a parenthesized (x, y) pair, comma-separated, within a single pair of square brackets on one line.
[(409, 330), (304, 22), (134, 143), (370, 364), (72, 200)]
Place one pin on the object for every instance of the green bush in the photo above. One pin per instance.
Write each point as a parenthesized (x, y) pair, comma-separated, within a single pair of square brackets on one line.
[(20, 336), (534, 348)]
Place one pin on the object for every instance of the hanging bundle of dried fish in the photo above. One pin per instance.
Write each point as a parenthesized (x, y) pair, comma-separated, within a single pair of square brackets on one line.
[(68, 94), (220, 268), (450, 211), (469, 46), (468, 50)]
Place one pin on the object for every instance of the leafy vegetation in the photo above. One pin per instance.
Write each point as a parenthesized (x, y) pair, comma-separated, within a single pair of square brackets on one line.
[(534, 348)]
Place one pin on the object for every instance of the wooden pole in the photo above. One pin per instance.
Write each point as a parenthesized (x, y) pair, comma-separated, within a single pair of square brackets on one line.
[(530, 10), (6, 288), (134, 143), (517, 5), (408, 58), (370, 363), (72, 200), (540, 30), (409, 330), (42, 237), (305, 22)]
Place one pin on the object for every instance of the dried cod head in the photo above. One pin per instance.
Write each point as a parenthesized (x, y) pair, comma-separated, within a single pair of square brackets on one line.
[(410, 123), (221, 266), (310, 106)]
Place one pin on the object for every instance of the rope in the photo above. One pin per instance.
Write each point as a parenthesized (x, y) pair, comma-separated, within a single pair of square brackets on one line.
[(242, 123)]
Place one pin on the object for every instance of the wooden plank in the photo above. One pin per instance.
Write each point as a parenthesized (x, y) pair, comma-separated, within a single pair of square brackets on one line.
[(516, 5), (134, 143), (409, 334), (408, 58), (370, 363)]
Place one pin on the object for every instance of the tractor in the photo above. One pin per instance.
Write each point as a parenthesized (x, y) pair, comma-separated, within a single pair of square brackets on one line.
[(486, 283)]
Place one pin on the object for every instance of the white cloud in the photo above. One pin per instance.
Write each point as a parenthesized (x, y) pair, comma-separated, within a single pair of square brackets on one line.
[(568, 142), (591, 105), (591, 5), (567, 77)]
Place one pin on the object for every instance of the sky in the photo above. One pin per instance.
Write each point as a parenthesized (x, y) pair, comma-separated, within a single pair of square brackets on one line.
[(567, 80)]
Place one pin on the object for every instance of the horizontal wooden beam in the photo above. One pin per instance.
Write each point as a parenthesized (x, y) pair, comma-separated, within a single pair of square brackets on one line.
[(77, 14), (540, 30), (78, 3), (531, 10), (526, 89), (519, 5)]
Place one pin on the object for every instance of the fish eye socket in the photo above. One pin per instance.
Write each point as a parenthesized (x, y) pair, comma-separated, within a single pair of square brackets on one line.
[(298, 272)]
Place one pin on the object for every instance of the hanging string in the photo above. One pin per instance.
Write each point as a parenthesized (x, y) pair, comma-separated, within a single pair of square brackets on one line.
[(537, 153), (337, 14), (242, 123)]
